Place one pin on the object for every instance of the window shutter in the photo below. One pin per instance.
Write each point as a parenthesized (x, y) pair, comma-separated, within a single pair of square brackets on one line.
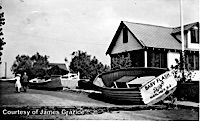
[(125, 35)]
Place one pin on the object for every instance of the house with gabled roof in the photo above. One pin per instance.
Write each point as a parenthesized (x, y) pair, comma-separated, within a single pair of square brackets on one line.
[(57, 69), (155, 46), (60, 65)]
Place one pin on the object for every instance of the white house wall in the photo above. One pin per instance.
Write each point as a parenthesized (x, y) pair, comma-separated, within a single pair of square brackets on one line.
[(132, 44), (171, 56), (187, 39), (195, 75), (191, 45)]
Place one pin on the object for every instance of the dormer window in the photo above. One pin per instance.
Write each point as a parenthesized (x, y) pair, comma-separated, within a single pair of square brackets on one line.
[(195, 35), (125, 35)]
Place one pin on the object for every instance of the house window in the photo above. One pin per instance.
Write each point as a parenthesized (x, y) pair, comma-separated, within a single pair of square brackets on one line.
[(137, 58), (190, 61), (157, 59), (195, 35), (196, 62), (125, 35), (193, 61)]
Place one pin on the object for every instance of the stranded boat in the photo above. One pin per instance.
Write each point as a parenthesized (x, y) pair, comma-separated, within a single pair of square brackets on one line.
[(136, 85), (54, 83), (70, 80), (12, 80)]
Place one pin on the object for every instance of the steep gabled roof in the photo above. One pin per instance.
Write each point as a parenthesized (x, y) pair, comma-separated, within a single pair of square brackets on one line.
[(154, 36), (148, 36), (186, 27), (113, 42)]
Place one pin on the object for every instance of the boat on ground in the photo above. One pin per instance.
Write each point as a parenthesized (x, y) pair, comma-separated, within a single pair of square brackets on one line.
[(136, 85), (70, 80), (12, 80), (54, 83)]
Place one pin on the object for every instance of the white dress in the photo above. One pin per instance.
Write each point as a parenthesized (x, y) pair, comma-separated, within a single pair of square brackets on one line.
[(17, 83)]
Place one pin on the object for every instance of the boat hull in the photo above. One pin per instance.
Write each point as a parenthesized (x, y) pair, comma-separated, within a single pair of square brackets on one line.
[(72, 84), (52, 84), (12, 80), (128, 94), (123, 95), (162, 97)]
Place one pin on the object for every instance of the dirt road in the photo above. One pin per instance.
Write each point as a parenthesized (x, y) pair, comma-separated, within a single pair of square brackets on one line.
[(77, 106)]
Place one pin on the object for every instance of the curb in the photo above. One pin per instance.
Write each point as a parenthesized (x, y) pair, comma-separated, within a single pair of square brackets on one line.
[(181, 106)]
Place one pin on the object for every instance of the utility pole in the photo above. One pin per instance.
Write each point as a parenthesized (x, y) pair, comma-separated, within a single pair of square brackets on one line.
[(182, 40), (5, 69)]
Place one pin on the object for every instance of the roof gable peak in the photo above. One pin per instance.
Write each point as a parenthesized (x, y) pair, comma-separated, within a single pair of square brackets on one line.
[(145, 24)]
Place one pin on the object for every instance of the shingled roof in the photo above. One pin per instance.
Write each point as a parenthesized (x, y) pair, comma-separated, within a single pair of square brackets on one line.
[(151, 35)]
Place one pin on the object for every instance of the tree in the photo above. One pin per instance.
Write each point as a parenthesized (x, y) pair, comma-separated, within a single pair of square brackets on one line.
[(40, 65), (35, 66), (186, 76), (40, 60), (88, 68), (1, 33), (21, 64)]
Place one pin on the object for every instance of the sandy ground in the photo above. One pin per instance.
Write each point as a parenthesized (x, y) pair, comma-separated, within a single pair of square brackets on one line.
[(98, 110), (45, 100)]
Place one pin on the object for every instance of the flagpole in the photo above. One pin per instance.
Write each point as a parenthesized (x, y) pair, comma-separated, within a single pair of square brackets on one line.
[(182, 39)]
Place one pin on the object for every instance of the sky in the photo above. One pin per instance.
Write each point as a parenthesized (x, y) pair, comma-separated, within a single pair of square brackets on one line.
[(57, 28)]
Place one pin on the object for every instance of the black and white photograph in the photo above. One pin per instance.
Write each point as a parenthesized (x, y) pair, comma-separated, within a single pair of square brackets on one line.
[(99, 59)]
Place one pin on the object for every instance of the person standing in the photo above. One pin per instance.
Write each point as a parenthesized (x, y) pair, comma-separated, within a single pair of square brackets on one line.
[(25, 82), (17, 83)]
